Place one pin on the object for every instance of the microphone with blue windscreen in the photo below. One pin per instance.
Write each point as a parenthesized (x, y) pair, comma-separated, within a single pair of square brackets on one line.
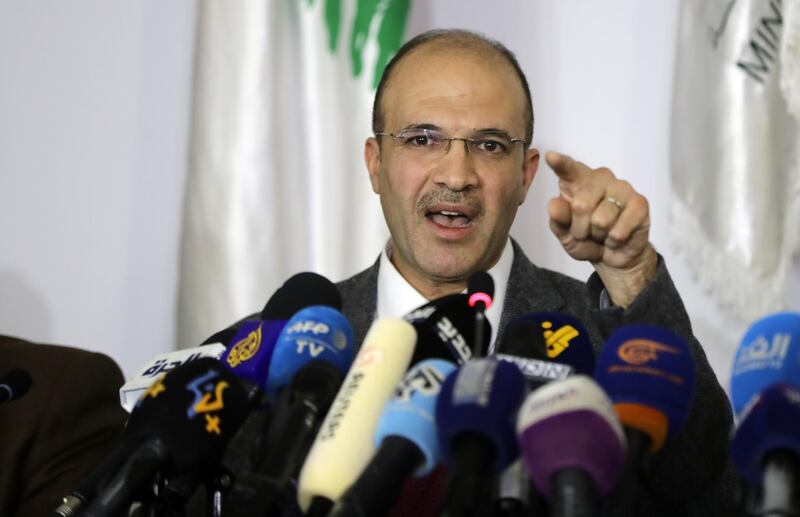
[(649, 374), (768, 353), (312, 356), (249, 352), (475, 416), (406, 442), (766, 449), (250, 343), (317, 333)]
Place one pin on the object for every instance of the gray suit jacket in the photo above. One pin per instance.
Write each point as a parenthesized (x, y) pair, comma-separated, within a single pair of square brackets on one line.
[(691, 474)]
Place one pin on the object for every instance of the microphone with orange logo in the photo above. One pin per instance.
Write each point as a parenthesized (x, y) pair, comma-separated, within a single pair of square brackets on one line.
[(649, 374)]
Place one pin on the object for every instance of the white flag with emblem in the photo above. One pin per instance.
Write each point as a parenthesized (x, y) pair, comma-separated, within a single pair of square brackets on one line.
[(282, 105), (736, 148)]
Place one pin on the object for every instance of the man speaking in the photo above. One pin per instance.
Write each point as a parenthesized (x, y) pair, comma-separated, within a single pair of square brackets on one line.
[(451, 160)]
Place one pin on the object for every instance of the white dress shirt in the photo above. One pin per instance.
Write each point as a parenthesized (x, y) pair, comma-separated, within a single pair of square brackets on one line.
[(396, 297)]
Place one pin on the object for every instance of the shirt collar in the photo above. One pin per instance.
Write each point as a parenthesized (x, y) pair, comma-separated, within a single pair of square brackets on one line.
[(396, 297)]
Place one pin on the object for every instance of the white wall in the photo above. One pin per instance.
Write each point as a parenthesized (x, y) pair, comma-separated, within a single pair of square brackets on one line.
[(94, 101)]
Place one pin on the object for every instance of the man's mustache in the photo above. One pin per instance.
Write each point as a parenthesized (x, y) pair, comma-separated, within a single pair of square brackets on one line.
[(444, 195)]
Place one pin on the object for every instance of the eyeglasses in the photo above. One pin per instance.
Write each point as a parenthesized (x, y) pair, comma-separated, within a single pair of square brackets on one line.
[(425, 143)]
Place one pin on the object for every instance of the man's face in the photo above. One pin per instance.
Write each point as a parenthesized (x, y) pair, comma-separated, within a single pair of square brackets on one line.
[(462, 95)]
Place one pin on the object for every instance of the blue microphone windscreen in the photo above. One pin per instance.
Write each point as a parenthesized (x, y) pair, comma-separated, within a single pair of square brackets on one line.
[(250, 350), (771, 421), (195, 409), (411, 411), (769, 353), (566, 340), (483, 397), (314, 333), (651, 366)]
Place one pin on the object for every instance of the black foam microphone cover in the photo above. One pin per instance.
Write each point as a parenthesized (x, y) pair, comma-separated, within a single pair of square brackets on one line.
[(195, 410), (523, 338), (480, 282), (14, 384), (300, 291)]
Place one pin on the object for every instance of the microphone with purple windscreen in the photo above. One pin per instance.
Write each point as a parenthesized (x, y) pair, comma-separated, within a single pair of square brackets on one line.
[(572, 444)]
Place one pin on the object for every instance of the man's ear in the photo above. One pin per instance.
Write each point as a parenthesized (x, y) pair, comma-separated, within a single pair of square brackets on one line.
[(372, 158), (530, 164)]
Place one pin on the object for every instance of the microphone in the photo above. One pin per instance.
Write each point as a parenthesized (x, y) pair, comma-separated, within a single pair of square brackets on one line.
[(249, 352), (474, 415), (566, 340), (343, 445), (769, 353), (245, 348), (648, 372), (14, 384), (766, 449), (132, 391), (311, 358), (523, 344), (480, 291), (181, 425), (406, 442), (514, 495), (445, 327), (572, 444), (300, 291), (314, 333)]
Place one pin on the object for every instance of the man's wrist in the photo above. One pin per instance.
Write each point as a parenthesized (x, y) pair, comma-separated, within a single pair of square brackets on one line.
[(624, 285)]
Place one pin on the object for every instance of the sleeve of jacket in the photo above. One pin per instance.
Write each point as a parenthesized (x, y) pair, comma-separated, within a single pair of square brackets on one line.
[(79, 424), (691, 475)]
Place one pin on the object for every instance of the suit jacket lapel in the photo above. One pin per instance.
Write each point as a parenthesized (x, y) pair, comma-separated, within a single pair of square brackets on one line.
[(529, 290)]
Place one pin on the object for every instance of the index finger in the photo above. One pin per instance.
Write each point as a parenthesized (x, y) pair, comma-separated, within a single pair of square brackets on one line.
[(565, 167)]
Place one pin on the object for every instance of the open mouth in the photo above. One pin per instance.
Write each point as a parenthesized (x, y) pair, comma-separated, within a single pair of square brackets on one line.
[(449, 218)]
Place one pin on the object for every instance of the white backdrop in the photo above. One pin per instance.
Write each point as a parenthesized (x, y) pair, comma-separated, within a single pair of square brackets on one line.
[(94, 100)]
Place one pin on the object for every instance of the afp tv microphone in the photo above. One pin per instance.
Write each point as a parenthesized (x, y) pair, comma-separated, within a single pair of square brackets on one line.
[(311, 358)]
